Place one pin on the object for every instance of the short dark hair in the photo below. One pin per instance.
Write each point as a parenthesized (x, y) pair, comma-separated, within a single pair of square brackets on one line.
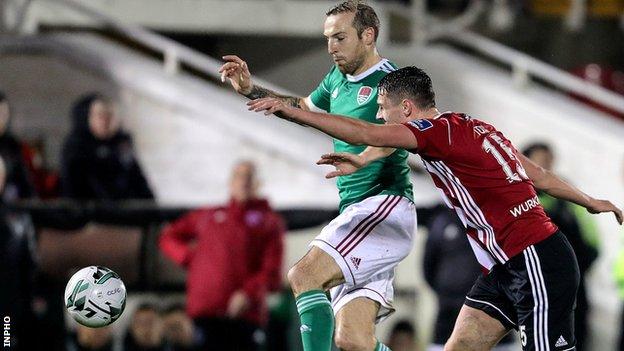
[(365, 16), (536, 146), (409, 83)]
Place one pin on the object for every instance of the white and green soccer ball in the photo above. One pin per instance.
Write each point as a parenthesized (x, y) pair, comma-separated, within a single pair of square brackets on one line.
[(95, 296)]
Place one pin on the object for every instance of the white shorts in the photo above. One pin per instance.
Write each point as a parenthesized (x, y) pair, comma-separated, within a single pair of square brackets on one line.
[(367, 241)]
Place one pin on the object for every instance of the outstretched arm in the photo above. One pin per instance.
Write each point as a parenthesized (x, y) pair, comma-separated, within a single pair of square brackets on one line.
[(350, 130), (347, 163), (236, 71), (557, 187)]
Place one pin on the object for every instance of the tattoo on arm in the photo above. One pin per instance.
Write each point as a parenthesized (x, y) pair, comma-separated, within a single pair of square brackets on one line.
[(258, 92)]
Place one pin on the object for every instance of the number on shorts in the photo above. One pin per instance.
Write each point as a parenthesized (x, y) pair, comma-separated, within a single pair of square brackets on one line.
[(523, 337)]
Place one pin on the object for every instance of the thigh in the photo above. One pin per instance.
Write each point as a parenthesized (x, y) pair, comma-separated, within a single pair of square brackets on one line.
[(369, 237), (378, 289), (547, 278), (317, 268), (488, 295), (356, 321), (475, 330)]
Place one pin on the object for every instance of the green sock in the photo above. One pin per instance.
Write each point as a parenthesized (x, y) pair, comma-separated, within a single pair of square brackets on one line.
[(381, 347), (317, 320)]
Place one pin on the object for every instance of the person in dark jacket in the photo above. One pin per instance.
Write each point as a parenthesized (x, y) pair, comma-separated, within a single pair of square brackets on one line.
[(233, 254), (450, 269), (580, 230), (17, 272), (18, 183), (97, 161)]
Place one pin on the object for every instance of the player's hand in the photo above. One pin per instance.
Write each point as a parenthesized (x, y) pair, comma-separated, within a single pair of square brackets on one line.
[(236, 71), (271, 106), (600, 206), (344, 162), (239, 303)]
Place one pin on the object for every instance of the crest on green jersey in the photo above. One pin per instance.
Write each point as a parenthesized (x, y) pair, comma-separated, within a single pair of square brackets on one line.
[(364, 94)]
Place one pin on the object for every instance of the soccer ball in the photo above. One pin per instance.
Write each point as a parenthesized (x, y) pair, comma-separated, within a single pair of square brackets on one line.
[(95, 296)]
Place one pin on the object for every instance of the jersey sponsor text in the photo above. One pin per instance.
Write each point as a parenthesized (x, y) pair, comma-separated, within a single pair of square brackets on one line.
[(525, 206)]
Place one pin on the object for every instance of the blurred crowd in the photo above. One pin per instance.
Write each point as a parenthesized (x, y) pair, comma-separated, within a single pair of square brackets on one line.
[(150, 328)]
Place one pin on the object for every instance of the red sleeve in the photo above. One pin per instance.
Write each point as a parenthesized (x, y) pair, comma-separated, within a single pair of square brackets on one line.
[(269, 277), (433, 136), (175, 239)]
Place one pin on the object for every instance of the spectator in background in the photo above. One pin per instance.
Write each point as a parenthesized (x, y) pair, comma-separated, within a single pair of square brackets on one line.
[(145, 332), (97, 160), (233, 254), (578, 227), (44, 178), (17, 184), (92, 339), (17, 270), (402, 337), (179, 331)]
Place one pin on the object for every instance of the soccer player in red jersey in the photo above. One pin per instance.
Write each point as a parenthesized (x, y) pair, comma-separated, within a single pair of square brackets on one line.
[(532, 272)]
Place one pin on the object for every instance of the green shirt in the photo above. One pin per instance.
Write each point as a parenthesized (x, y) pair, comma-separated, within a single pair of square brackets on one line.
[(356, 97)]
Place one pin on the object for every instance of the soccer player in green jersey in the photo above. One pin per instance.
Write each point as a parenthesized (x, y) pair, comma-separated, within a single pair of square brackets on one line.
[(354, 256)]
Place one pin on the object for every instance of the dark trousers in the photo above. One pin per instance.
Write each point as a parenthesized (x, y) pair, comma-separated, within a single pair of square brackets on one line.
[(580, 317), (229, 334)]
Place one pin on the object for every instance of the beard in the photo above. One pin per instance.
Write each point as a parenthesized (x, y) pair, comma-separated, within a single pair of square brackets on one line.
[(351, 66)]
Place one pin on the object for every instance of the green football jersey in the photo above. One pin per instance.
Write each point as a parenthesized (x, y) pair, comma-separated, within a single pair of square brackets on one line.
[(356, 97)]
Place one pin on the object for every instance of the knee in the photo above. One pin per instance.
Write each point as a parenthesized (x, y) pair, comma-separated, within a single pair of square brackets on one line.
[(300, 280), (352, 342), (293, 277)]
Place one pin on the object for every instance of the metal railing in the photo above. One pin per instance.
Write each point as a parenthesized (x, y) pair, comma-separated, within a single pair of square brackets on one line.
[(174, 53), (523, 66)]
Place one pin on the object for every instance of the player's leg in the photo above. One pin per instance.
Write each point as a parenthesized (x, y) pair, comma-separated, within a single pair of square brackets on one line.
[(371, 255), (475, 330), (355, 325), (351, 249), (547, 280), (309, 278), (359, 308), (486, 317), (315, 271)]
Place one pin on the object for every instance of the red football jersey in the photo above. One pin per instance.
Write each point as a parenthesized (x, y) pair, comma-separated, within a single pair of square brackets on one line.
[(481, 177)]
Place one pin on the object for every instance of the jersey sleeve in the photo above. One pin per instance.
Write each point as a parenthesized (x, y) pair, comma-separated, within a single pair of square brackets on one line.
[(318, 100), (432, 135)]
